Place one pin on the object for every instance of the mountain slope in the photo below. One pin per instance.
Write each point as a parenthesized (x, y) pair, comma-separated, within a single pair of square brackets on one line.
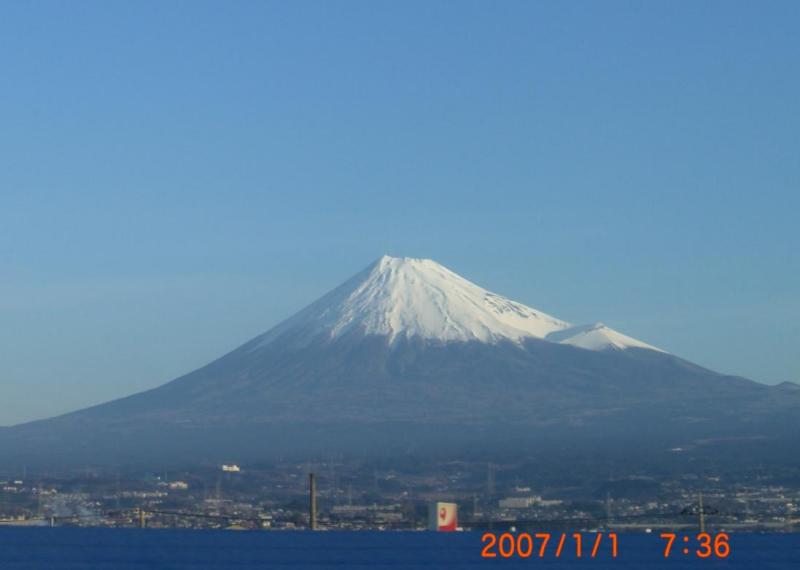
[(408, 356)]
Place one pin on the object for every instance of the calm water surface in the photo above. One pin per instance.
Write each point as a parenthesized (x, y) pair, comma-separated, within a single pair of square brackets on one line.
[(129, 549)]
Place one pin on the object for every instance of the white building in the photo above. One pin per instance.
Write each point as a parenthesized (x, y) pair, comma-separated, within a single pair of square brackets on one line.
[(518, 502)]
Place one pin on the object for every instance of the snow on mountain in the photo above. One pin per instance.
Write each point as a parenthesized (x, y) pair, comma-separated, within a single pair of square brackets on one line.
[(404, 298), (597, 337)]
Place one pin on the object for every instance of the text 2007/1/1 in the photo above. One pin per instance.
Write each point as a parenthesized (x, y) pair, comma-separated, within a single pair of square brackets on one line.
[(544, 544)]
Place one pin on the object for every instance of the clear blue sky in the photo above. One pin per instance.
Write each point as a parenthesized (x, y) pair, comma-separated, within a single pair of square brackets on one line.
[(177, 177)]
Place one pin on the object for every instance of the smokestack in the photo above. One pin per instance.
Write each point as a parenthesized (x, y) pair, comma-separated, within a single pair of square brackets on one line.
[(312, 502), (702, 515)]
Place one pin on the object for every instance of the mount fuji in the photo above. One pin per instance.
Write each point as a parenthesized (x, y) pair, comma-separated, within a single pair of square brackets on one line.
[(404, 299), (407, 357)]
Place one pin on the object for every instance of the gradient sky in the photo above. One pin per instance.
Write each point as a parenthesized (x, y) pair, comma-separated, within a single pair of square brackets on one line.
[(177, 177)]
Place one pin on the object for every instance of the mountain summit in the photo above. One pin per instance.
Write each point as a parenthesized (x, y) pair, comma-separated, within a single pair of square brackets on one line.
[(404, 298), (406, 358)]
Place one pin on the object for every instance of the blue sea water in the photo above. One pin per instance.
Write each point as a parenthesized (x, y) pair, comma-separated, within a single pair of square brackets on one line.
[(129, 549)]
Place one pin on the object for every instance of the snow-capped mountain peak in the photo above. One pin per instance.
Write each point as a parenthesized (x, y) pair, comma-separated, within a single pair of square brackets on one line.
[(405, 297), (401, 297), (597, 336)]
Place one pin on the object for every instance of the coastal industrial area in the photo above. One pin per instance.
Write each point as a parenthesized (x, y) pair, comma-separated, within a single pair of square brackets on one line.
[(361, 495)]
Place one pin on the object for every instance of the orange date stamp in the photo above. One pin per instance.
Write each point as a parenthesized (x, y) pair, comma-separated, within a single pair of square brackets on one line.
[(544, 544), (599, 544)]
